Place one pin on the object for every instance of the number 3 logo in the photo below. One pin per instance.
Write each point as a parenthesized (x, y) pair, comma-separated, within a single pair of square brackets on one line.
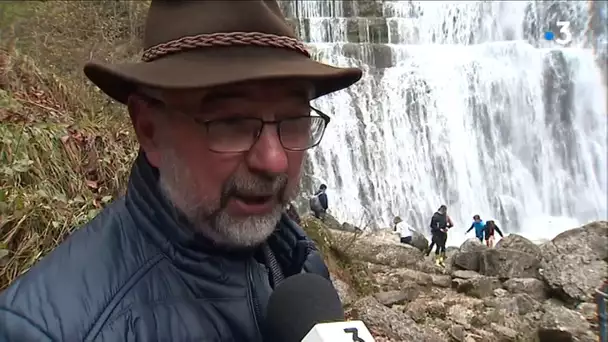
[(355, 333), (565, 33)]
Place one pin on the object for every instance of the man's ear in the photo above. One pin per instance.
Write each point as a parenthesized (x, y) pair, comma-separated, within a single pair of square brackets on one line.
[(144, 123)]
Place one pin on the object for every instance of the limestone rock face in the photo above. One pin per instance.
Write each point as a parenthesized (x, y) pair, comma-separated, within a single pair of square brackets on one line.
[(517, 291), (574, 263)]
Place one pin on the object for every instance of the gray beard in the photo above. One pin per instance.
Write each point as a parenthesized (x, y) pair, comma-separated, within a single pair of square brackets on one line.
[(208, 216)]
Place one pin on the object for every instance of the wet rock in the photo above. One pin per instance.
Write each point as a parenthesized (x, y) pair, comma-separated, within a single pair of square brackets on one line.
[(575, 262), (508, 263), (532, 286)]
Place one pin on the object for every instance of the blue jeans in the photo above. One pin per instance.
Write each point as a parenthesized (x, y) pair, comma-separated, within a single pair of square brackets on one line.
[(601, 297)]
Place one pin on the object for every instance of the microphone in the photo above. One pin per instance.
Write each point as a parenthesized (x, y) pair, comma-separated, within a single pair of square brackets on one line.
[(306, 308)]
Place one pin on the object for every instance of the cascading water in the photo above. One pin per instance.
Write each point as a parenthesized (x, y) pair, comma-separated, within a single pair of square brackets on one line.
[(462, 103)]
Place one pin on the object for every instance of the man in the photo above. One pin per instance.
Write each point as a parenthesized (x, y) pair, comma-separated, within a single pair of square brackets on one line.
[(440, 223), (220, 107), (489, 230), (479, 226), (318, 202)]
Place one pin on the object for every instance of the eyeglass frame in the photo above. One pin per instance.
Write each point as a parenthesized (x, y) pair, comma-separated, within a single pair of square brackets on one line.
[(326, 119)]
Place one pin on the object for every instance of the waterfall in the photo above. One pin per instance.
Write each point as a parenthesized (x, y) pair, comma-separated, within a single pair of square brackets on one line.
[(464, 104)]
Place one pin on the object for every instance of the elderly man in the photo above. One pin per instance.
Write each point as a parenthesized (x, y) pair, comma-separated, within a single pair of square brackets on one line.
[(220, 107)]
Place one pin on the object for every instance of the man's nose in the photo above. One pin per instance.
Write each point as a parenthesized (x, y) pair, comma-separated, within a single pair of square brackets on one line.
[(268, 155)]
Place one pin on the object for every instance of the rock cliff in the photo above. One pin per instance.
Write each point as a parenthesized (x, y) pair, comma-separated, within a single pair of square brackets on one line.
[(517, 291)]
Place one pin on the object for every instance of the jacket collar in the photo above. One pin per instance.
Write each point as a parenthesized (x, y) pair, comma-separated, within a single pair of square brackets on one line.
[(170, 231), (160, 220)]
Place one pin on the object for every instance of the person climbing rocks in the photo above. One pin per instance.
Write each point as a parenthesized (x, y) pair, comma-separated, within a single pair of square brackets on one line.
[(318, 202), (449, 225), (405, 232), (440, 223), (490, 228), (479, 226)]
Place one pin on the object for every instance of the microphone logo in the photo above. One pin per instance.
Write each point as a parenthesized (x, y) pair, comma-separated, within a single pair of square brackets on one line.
[(355, 333)]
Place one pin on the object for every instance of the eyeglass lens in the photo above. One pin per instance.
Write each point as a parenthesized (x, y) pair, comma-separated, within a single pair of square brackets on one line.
[(239, 135)]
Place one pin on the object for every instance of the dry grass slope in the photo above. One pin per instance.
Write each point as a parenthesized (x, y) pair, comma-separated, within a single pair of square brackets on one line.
[(65, 149)]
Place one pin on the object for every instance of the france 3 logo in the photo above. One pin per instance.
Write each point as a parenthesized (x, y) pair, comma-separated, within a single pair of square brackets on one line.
[(565, 34)]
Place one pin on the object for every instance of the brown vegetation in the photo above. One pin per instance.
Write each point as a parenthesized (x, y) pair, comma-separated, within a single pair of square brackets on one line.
[(65, 148)]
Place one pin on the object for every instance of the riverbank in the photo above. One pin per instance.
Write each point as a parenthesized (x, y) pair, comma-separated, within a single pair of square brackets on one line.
[(518, 291)]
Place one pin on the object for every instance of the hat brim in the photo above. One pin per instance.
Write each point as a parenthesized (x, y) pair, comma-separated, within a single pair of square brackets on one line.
[(217, 67)]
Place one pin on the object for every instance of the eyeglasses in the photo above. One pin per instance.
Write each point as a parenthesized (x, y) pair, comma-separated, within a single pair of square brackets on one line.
[(240, 134)]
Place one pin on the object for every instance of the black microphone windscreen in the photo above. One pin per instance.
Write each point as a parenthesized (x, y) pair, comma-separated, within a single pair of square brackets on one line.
[(297, 304)]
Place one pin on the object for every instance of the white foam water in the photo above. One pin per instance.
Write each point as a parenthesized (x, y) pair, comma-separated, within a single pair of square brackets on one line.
[(464, 104)]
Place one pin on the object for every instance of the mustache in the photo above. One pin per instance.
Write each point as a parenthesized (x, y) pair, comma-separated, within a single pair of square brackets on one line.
[(255, 185)]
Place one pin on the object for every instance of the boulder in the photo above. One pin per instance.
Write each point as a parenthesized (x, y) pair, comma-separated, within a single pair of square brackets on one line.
[(347, 227), (472, 245), (508, 263), (559, 323), (390, 323), (441, 280), (478, 287), (519, 304), (574, 263), (380, 247), (519, 243), (419, 241), (467, 257), (390, 298), (331, 222), (465, 274), (531, 286)]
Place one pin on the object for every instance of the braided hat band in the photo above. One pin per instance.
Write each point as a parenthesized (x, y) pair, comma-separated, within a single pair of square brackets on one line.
[(223, 39)]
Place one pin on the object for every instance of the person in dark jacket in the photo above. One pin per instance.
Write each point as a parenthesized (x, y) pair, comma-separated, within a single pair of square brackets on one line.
[(489, 230), (194, 249), (319, 203), (440, 223)]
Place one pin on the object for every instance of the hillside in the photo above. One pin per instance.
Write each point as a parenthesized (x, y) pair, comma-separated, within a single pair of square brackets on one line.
[(65, 149)]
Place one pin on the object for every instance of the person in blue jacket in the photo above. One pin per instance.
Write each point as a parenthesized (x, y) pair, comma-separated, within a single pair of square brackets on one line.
[(479, 226)]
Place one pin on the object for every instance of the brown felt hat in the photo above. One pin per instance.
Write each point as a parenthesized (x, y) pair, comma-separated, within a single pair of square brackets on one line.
[(208, 43)]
